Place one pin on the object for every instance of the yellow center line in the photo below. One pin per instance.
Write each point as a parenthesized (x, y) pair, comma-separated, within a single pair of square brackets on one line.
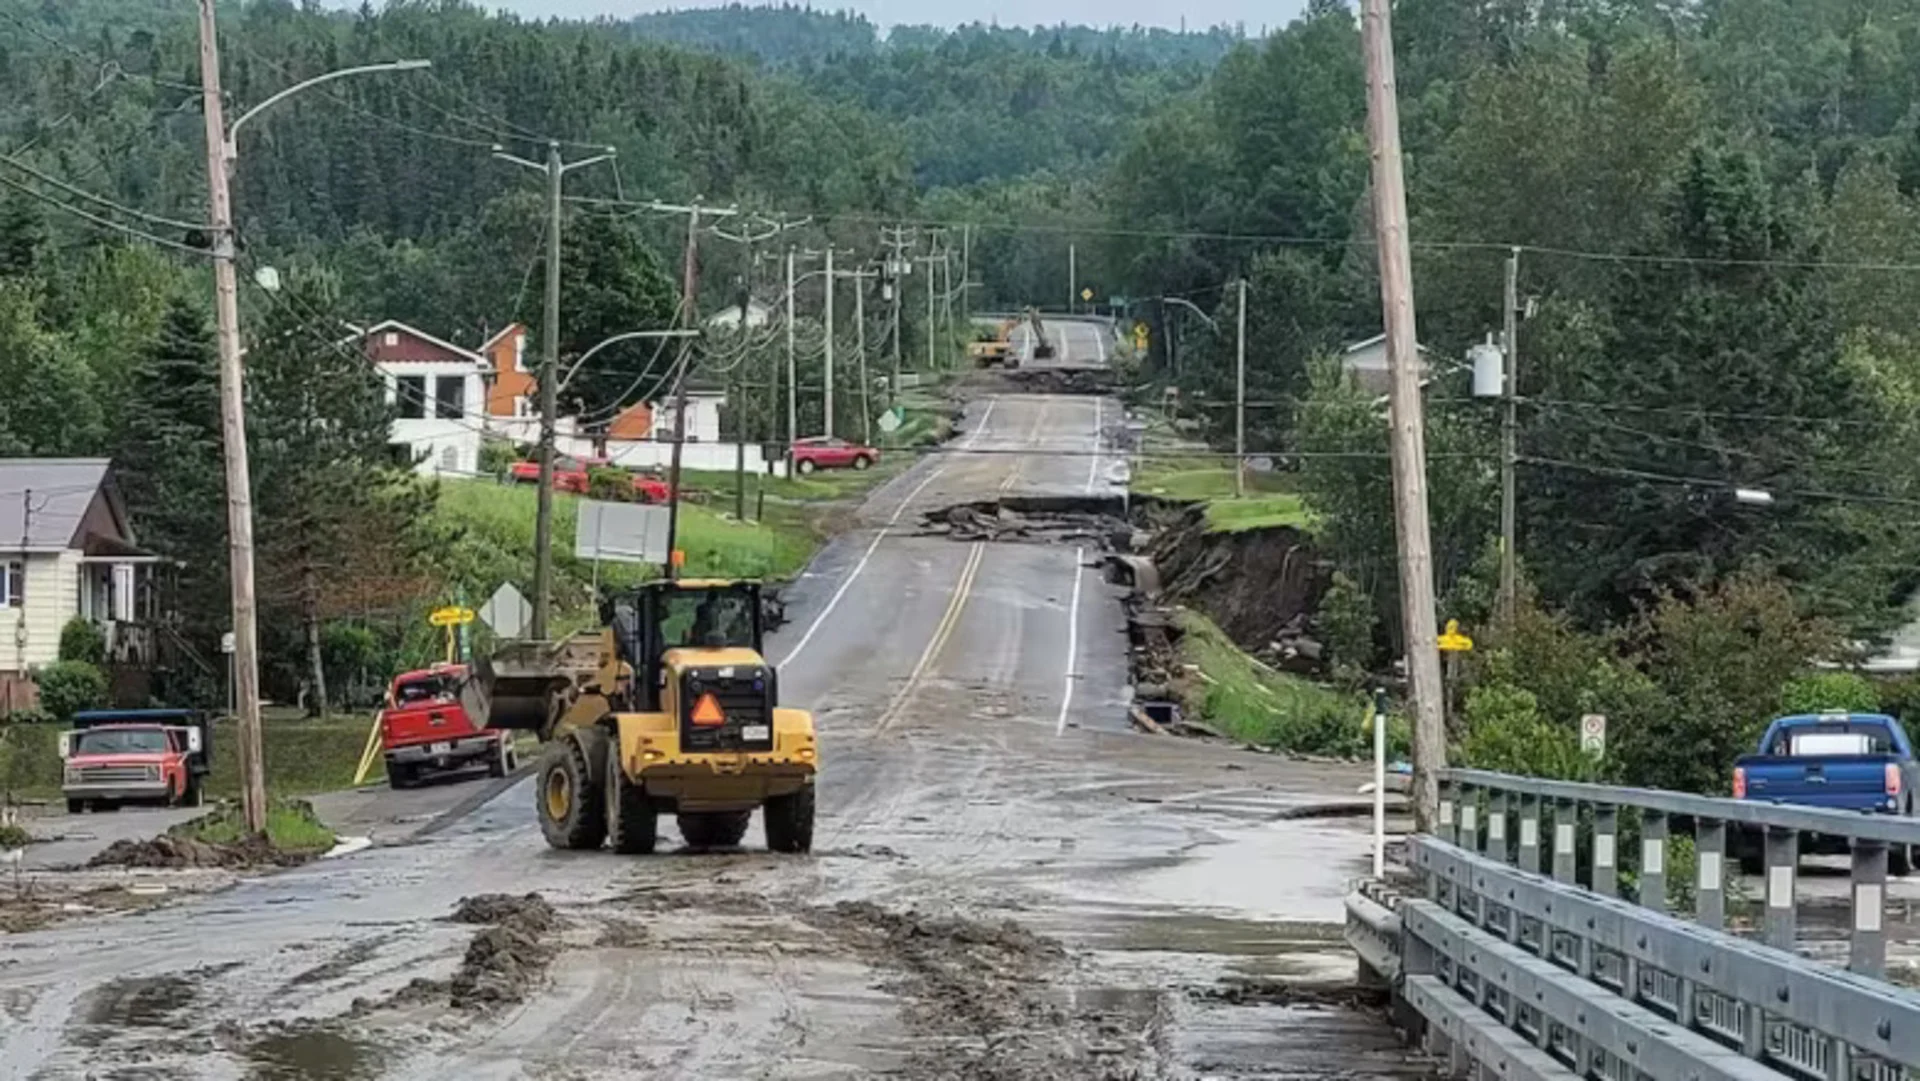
[(941, 632)]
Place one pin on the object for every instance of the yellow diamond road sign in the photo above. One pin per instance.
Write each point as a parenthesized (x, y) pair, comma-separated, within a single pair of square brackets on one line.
[(450, 617), (1453, 641), (1086, 294)]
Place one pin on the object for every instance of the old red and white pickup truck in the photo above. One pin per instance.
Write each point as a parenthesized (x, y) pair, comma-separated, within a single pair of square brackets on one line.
[(135, 756)]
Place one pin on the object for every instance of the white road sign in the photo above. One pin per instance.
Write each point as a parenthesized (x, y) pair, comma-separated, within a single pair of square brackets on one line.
[(621, 532), (508, 612), (1593, 734)]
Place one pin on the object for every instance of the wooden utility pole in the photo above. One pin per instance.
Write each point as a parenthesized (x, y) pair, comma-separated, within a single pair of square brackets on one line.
[(1509, 443), (793, 376), (1408, 442), (1240, 399), (690, 280), (827, 429), (555, 172), (233, 429)]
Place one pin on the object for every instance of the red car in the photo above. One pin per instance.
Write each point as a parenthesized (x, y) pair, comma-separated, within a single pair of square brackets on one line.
[(429, 725), (826, 452), (572, 474)]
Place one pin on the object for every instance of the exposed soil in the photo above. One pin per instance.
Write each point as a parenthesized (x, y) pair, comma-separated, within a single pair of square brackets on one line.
[(1056, 521), (507, 959), (1259, 585), (1102, 381)]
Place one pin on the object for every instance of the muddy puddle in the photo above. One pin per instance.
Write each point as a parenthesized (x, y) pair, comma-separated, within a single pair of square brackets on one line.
[(311, 1055)]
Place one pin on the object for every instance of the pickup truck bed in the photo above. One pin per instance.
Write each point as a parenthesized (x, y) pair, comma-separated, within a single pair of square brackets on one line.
[(1839, 761)]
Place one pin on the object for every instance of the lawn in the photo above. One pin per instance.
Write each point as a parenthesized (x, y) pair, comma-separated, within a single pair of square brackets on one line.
[(1268, 502), (291, 827), (1250, 701)]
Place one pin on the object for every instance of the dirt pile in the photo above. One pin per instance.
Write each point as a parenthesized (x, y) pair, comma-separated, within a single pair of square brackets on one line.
[(1060, 380), (507, 958), (979, 991), (179, 853)]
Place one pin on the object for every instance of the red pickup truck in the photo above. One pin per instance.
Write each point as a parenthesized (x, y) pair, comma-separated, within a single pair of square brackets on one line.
[(134, 756), (572, 474), (431, 723)]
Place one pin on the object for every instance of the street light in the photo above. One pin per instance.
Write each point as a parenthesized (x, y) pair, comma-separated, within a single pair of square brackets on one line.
[(233, 130), (222, 153)]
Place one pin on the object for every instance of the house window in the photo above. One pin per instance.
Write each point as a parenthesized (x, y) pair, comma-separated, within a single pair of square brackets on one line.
[(450, 459), (391, 338), (13, 584), (450, 397), (411, 396)]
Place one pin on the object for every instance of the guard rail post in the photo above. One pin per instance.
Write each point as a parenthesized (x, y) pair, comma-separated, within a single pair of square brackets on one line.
[(1867, 948), (1653, 860), (1606, 833), (1782, 867), (1566, 831), (1710, 855), (1529, 832), (1497, 826)]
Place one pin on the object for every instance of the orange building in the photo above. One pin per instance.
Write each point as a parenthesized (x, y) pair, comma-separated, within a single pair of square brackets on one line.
[(513, 391)]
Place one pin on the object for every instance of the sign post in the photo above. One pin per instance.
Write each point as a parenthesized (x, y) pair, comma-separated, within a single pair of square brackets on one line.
[(1452, 643), (1379, 783), (452, 618)]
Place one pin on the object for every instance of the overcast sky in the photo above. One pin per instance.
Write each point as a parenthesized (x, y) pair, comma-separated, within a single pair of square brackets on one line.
[(1197, 13)]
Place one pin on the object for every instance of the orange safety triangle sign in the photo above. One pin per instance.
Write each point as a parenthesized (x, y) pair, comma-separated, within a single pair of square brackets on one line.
[(707, 711)]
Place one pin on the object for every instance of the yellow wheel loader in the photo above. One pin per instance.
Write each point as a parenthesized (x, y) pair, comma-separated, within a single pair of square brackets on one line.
[(670, 708)]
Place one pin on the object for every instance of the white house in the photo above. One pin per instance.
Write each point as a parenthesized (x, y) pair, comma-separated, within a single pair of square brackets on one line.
[(1366, 363), (439, 393), (66, 551), (757, 314)]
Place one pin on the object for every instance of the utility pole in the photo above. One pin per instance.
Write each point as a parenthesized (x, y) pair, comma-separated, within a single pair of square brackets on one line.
[(966, 273), (1404, 405), (1240, 400), (828, 429), (1509, 444), (860, 348), (898, 267), (793, 380), (233, 430), (690, 280), (222, 154), (1073, 278), (555, 171)]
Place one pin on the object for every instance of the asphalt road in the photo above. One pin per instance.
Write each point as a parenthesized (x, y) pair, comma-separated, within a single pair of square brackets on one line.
[(1007, 881)]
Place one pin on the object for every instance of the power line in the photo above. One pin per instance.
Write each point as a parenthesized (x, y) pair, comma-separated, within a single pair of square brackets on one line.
[(101, 200), (108, 223), (1717, 484)]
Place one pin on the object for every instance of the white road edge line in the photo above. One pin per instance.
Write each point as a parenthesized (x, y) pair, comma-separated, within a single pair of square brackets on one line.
[(1093, 468), (1073, 641), (834, 601)]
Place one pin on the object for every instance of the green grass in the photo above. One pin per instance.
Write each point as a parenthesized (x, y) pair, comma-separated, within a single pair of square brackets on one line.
[(291, 827), (1268, 502), (1249, 701), (302, 757), (826, 486)]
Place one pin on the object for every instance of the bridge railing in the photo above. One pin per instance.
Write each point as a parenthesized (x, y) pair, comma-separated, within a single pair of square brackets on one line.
[(1517, 969)]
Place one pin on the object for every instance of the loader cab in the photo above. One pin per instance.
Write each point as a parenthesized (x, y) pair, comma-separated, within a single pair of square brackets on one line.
[(688, 614)]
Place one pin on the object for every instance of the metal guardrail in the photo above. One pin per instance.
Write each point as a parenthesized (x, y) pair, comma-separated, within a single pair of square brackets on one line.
[(1529, 975)]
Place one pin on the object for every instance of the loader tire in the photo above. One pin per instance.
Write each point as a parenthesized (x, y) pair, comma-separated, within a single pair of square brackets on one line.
[(790, 821), (714, 829), (633, 823), (567, 798)]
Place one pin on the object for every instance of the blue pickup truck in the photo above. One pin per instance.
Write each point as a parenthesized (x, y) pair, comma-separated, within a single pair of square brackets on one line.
[(1841, 761)]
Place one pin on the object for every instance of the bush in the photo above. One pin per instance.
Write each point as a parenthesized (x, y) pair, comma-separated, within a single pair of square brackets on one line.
[(1346, 621), (81, 641), (1505, 732), (497, 456), (36, 715), (67, 687), (610, 484), (1818, 692)]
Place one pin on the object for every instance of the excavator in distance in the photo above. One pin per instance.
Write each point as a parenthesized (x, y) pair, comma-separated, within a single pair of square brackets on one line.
[(669, 708)]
